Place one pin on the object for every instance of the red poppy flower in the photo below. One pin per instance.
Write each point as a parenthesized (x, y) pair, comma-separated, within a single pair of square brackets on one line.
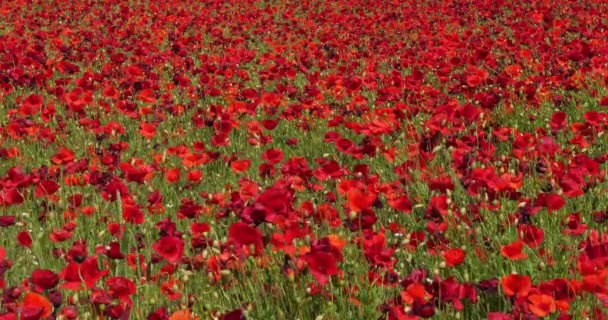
[(24, 239), (322, 265), (558, 121), (195, 176), (46, 187), (35, 300), (513, 251), (63, 156), (516, 285), (244, 235), (273, 156), (454, 257), (183, 315), (531, 235), (541, 305), (172, 289), (44, 279), (240, 165), (74, 274), (147, 130), (132, 214), (551, 201), (173, 175), (147, 95), (573, 226), (171, 248), (415, 292), (121, 288), (359, 200), (199, 228), (11, 196)]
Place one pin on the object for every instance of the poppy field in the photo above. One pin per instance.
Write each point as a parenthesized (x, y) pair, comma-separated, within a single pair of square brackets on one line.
[(278, 159)]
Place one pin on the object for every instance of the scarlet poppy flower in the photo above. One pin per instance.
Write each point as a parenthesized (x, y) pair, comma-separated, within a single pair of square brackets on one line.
[(63, 156), (172, 289), (551, 201), (513, 251), (111, 92), (87, 273), (183, 315), (454, 257), (195, 176), (171, 248), (199, 228), (240, 165), (147, 95), (415, 292), (359, 200), (147, 130), (516, 285), (132, 214), (541, 305), (35, 300), (172, 175)]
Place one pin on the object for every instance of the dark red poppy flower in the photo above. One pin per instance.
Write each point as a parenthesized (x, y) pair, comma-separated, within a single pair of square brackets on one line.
[(573, 225), (233, 315), (121, 288), (44, 279), (7, 221)]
